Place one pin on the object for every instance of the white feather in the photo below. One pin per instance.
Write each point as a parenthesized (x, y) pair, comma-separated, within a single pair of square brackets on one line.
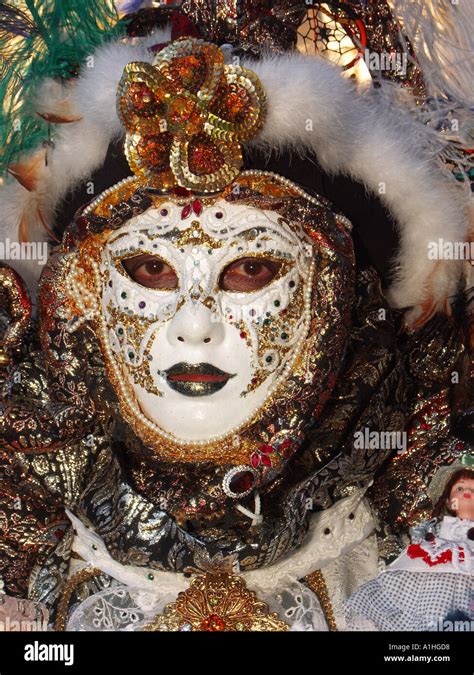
[(441, 33)]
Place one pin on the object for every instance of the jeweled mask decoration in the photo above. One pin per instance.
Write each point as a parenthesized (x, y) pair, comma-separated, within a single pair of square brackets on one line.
[(221, 312), (206, 313)]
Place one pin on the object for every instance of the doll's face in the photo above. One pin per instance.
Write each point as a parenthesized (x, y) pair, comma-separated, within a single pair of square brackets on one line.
[(205, 313), (461, 498)]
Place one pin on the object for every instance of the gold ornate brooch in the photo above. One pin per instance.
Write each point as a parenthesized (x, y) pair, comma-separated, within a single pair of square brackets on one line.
[(217, 602), (186, 115)]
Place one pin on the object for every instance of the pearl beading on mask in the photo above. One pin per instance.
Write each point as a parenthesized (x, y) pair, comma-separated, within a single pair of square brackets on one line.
[(103, 195), (241, 468), (83, 299)]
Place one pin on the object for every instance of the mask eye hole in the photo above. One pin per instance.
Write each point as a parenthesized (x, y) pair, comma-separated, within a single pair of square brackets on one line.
[(150, 271), (248, 274)]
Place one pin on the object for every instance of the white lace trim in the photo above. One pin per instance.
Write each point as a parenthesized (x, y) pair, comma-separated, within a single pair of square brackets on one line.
[(455, 530)]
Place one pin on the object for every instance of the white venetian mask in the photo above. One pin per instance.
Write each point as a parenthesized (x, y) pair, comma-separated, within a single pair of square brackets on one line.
[(206, 312)]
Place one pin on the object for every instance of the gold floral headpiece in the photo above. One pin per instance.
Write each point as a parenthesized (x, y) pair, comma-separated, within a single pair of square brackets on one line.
[(186, 116)]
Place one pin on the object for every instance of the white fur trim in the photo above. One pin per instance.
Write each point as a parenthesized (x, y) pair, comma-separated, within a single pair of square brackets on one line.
[(359, 134)]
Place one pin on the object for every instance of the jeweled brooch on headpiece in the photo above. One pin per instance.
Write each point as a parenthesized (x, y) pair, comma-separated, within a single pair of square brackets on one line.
[(186, 116)]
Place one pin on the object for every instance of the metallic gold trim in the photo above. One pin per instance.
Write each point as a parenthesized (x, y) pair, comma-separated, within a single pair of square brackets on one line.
[(317, 584), (217, 603)]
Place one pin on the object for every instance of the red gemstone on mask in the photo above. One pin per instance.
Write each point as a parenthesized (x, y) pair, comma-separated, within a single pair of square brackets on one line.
[(181, 191), (266, 449), (213, 623), (266, 460), (242, 482), (186, 212), (255, 459), (197, 207), (287, 447)]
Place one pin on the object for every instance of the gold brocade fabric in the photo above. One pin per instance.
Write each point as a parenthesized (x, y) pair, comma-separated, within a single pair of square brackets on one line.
[(117, 494)]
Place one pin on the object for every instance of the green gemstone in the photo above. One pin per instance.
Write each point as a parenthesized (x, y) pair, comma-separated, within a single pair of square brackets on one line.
[(277, 303), (151, 576), (123, 295)]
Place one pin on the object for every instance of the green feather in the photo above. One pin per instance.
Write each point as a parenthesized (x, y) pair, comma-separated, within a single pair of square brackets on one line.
[(40, 39)]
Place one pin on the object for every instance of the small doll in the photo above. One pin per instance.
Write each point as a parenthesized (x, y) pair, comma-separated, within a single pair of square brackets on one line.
[(430, 587)]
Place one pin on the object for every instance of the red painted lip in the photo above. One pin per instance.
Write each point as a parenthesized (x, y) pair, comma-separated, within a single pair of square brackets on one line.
[(197, 377), (204, 373), (467, 495)]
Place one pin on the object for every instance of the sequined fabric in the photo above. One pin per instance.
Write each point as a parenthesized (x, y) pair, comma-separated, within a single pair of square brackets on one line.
[(284, 25), (187, 114), (252, 25)]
